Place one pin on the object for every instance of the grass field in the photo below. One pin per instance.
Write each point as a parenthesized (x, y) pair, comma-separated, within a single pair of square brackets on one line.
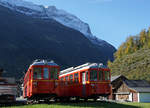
[(83, 105)]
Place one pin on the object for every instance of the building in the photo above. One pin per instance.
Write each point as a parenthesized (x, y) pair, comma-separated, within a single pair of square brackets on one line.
[(8, 89), (130, 90), (1, 71)]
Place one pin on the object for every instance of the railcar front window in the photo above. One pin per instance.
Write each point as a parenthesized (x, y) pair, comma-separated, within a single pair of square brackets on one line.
[(46, 73), (54, 73), (37, 74), (107, 75), (93, 75), (100, 75)]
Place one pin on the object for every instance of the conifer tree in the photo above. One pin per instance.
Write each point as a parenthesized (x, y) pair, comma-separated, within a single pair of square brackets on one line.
[(129, 45), (148, 36), (143, 37), (109, 63)]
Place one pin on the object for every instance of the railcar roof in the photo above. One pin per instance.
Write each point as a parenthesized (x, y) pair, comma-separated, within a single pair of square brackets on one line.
[(43, 62), (84, 66)]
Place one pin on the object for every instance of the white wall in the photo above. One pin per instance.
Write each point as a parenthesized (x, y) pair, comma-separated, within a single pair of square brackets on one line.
[(130, 97)]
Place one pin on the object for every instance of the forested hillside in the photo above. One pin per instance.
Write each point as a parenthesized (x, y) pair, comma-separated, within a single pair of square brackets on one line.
[(132, 58)]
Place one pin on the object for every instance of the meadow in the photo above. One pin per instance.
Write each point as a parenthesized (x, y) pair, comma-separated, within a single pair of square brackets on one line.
[(83, 105)]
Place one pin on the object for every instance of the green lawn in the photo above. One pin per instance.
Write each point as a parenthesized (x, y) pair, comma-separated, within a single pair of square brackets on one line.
[(83, 105)]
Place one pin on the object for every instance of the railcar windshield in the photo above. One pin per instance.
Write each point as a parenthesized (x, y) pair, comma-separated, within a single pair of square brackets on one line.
[(37, 73), (100, 75), (93, 75), (107, 75), (53, 73), (46, 73)]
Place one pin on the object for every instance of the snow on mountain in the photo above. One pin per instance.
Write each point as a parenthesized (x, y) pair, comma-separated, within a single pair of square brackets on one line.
[(21, 3), (52, 12), (68, 20)]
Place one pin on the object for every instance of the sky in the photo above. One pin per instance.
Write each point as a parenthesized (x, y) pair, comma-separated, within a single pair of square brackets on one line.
[(109, 20)]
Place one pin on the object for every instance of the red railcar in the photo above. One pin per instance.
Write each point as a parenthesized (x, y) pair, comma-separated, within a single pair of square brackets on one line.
[(89, 80), (41, 81)]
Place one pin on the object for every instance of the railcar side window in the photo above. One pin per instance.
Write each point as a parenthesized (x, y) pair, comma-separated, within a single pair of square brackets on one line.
[(46, 73), (66, 78), (87, 76), (62, 78), (54, 73), (107, 75), (71, 78), (37, 74), (93, 75), (76, 77), (100, 75)]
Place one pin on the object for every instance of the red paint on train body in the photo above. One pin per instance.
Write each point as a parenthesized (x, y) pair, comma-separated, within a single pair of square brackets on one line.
[(41, 80), (89, 81)]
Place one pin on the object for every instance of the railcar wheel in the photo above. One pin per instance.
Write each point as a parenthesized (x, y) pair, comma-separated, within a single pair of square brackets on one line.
[(47, 101), (56, 99), (94, 99), (85, 99), (77, 99), (63, 99), (29, 101), (67, 99)]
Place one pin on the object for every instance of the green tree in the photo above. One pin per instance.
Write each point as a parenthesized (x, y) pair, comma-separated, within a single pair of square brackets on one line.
[(120, 52), (143, 36), (148, 36), (129, 45), (109, 63)]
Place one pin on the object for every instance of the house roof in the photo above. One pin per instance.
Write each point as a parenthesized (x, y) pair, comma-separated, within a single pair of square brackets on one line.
[(142, 89), (138, 85), (113, 78)]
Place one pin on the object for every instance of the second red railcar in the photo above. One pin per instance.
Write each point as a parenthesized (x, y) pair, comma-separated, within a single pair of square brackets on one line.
[(87, 81)]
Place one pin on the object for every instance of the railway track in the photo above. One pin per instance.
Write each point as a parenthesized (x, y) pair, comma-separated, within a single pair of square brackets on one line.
[(21, 102)]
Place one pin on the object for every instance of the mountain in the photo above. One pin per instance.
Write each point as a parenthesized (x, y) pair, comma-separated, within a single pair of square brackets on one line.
[(132, 58), (61, 16), (27, 32)]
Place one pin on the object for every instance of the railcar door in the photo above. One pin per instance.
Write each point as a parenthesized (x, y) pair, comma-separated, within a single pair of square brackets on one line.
[(83, 84)]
